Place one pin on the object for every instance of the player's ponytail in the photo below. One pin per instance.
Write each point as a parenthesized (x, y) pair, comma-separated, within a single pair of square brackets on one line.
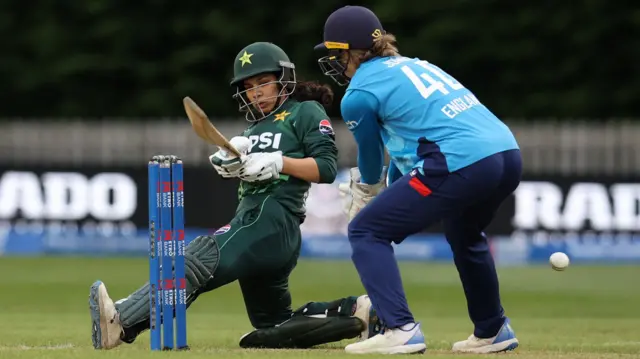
[(313, 91), (383, 46)]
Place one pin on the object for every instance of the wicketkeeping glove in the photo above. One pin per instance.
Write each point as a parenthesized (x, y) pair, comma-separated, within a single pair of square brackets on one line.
[(227, 164), (357, 195)]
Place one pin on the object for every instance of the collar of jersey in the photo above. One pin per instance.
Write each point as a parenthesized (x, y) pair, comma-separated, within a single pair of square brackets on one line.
[(286, 105), (371, 61), (353, 83)]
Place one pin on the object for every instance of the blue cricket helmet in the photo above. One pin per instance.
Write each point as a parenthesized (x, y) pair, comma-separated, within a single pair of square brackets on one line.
[(348, 28)]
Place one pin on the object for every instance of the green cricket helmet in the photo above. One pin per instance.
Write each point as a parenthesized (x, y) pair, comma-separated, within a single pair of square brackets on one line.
[(256, 59)]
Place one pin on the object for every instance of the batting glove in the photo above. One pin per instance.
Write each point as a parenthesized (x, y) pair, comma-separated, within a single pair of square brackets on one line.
[(262, 166), (227, 164), (357, 195)]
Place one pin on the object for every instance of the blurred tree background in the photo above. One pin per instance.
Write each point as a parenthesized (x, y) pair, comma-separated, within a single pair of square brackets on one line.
[(139, 58)]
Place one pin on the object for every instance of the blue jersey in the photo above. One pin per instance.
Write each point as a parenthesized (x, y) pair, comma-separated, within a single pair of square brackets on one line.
[(422, 116)]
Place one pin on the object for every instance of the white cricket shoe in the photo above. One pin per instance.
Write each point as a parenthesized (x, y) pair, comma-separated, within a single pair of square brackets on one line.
[(106, 327), (504, 341), (365, 312), (393, 341)]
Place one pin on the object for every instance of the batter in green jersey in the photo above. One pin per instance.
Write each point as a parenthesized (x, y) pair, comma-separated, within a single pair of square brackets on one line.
[(288, 144)]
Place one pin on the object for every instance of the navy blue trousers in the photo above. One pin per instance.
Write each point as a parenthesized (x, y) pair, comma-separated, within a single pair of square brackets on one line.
[(466, 202)]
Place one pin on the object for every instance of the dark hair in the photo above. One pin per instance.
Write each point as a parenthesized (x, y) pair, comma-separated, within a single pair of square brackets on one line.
[(313, 90)]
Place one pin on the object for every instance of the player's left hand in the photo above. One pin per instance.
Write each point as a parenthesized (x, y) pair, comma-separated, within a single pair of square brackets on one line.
[(262, 166), (357, 194), (227, 164)]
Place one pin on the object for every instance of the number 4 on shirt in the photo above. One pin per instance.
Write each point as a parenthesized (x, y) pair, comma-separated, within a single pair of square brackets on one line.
[(434, 85)]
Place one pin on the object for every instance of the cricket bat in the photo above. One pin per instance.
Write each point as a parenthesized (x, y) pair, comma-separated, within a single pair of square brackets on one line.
[(204, 128)]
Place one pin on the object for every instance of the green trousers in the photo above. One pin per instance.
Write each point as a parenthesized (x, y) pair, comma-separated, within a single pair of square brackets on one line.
[(259, 248)]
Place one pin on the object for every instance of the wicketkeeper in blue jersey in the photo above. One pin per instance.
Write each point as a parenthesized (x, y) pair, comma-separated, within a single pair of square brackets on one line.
[(452, 160)]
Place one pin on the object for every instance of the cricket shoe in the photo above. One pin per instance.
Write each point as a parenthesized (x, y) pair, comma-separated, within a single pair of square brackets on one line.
[(504, 341), (106, 327), (406, 340), (365, 312)]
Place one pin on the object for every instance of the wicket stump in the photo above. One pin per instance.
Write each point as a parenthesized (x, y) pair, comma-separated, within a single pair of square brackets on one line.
[(167, 283)]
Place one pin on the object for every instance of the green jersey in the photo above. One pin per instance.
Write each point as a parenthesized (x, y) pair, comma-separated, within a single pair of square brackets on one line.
[(299, 130)]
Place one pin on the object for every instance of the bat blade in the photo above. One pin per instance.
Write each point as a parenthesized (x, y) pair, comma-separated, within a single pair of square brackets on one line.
[(204, 128)]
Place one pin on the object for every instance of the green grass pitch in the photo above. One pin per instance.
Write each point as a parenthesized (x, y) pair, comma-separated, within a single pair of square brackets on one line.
[(584, 312)]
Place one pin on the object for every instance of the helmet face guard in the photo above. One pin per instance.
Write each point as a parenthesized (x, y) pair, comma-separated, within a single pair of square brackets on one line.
[(332, 66), (253, 113)]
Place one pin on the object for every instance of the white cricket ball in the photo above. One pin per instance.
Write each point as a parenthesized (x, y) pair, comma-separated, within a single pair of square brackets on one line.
[(559, 261)]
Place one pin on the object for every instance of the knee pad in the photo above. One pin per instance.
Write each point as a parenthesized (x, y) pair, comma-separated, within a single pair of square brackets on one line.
[(201, 260), (312, 324), (304, 332)]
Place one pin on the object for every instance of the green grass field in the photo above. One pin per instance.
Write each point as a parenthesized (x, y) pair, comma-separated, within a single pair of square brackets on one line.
[(584, 312)]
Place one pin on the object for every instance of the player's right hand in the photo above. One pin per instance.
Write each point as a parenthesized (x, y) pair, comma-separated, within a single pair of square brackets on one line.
[(227, 164)]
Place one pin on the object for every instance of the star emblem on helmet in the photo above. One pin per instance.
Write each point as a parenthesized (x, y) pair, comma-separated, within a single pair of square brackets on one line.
[(245, 58), (281, 116)]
